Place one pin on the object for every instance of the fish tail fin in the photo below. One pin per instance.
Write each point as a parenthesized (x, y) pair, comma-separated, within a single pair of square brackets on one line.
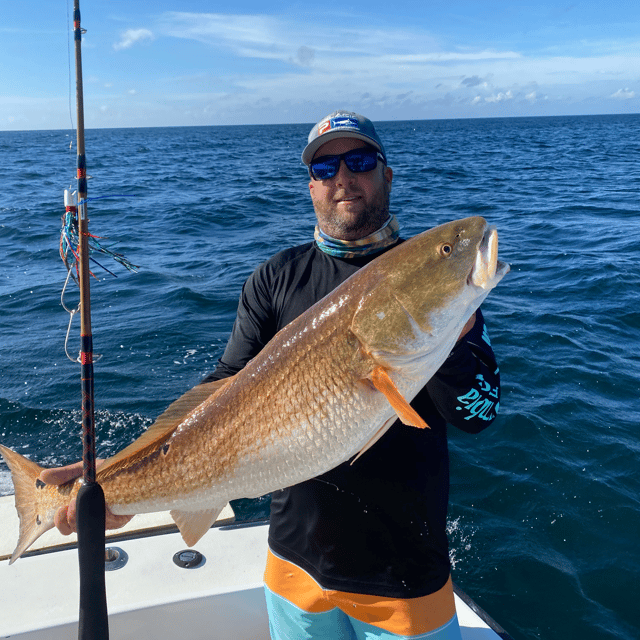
[(35, 516)]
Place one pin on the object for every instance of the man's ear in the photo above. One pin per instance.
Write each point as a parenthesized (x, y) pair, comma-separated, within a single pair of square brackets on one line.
[(388, 175)]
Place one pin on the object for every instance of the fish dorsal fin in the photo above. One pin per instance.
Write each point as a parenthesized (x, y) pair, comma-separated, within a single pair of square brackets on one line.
[(162, 429), (384, 384)]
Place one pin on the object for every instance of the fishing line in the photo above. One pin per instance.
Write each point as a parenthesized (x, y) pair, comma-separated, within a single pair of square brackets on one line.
[(71, 312)]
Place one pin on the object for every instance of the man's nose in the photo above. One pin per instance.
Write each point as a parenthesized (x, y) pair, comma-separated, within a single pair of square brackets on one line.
[(344, 175)]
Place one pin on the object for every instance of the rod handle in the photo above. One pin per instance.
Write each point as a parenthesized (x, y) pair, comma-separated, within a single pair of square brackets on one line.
[(90, 519)]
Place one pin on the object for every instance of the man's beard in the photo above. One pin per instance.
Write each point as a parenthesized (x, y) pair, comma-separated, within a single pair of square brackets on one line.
[(359, 226)]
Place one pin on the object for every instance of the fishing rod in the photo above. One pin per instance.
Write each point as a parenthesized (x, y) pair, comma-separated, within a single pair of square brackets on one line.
[(93, 619)]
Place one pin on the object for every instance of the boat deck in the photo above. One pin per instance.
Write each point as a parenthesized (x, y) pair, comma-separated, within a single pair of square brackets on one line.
[(150, 596)]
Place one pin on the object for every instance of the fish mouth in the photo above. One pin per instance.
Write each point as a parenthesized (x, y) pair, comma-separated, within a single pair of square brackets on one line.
[(487, 270)]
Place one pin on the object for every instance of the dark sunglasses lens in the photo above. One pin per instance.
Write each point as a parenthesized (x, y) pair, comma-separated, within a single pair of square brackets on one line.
[(359, 161), (325, 167)]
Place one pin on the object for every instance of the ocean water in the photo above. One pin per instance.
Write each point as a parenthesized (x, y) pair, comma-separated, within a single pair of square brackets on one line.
[(545, 510)]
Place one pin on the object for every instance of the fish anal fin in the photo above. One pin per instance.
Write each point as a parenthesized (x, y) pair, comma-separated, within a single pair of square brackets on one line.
[(385, 385), (194, 524), (162, 429)]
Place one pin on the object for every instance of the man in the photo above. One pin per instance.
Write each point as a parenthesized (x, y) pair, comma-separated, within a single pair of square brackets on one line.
[(360, 551)]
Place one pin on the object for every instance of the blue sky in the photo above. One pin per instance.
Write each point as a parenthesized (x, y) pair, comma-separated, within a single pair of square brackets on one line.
[(196, 62)]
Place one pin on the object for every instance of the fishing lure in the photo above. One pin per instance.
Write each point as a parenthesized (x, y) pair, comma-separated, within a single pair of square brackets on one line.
[(70, 241)]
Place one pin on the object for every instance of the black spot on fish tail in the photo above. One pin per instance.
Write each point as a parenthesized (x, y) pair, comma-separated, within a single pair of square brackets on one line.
[(40, 484)]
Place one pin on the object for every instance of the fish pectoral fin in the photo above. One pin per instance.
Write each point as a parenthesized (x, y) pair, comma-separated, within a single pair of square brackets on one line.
[(194, 524), (384, 384)]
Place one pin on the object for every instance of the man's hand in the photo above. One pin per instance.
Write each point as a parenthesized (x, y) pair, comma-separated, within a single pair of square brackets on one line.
[(65, 518), (467, 327)]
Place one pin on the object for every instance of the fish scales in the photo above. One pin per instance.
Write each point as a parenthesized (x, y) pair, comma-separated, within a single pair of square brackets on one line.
[(240, 430), (306, 423), (323, 389)]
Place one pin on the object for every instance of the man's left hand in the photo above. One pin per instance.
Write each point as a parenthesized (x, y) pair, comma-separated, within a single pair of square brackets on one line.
[(65, 517)]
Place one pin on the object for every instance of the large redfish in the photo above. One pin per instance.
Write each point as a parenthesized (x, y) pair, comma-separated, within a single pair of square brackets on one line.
[(326, 387)]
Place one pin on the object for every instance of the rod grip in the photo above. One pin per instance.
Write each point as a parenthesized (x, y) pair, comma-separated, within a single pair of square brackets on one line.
[(90, 519)]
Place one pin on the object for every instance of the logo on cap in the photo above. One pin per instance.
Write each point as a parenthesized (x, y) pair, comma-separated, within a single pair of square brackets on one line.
[(338, 123), (351, 123)]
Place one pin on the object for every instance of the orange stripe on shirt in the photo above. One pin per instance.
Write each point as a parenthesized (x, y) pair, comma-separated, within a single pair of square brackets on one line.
[(407, 617)]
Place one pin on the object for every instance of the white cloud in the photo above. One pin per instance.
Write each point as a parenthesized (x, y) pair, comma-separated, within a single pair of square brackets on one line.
[(390, 59), (451, 56), (500, 96), (303, 42), (623, 94), (132, 36), (239, 32)]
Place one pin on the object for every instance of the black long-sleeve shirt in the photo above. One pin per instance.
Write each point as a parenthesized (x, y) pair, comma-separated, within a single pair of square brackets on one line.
[(377, 526)]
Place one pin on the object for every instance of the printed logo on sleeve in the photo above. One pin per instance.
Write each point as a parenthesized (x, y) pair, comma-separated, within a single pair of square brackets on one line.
[(480, 401)]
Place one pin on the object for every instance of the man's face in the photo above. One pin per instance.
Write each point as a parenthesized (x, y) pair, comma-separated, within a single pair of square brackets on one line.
[(350, 205)]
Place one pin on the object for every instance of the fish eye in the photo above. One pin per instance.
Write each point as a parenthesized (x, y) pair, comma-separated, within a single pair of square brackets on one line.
[(445, 249)]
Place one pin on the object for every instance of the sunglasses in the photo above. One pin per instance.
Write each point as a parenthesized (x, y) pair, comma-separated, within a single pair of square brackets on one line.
[(357, 161)]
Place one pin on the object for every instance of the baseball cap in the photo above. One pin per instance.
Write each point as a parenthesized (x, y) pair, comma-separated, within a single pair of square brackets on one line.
[(341, 124)]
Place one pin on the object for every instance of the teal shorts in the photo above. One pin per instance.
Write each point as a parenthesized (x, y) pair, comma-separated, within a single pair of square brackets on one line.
[(300, 609)]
